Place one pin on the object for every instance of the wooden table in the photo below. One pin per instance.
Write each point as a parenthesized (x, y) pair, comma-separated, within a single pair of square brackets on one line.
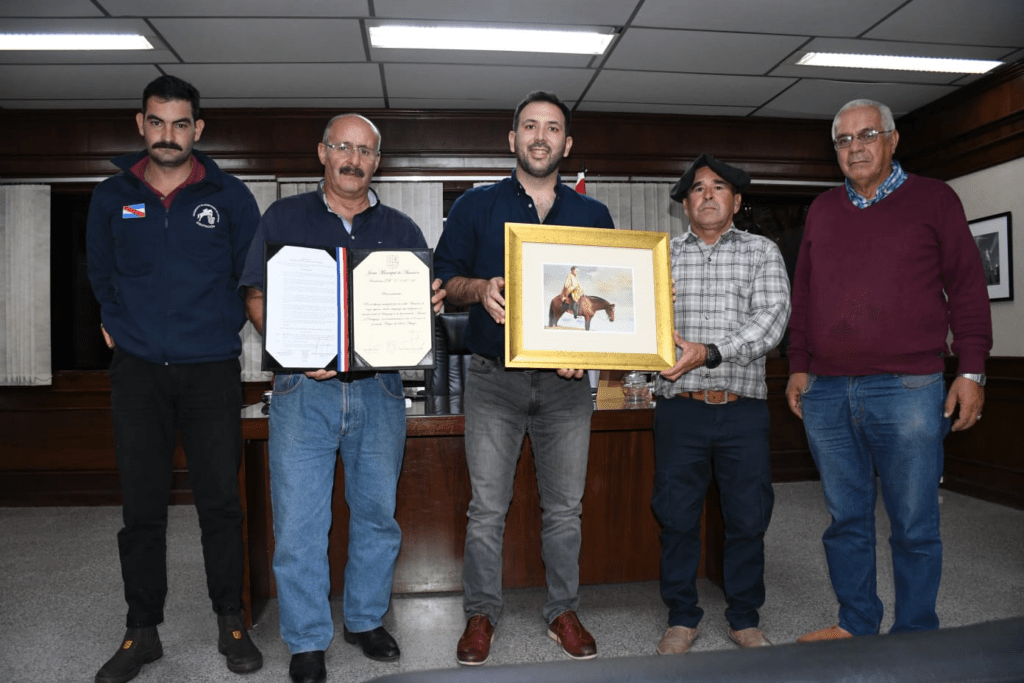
[(620, 534)]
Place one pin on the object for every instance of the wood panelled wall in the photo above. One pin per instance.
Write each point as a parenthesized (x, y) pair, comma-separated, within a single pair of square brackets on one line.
[(976, 127), (56, 446), (66, 143)]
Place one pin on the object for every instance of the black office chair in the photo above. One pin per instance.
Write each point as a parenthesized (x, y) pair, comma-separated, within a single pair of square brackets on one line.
[(451, 358)]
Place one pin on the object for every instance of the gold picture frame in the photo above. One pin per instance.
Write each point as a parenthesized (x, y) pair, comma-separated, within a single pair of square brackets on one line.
[(625, 322)]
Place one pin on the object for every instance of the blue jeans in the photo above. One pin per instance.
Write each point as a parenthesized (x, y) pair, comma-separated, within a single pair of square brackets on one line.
[(689, 437), (501, 407), (892, 425), (310, 422)]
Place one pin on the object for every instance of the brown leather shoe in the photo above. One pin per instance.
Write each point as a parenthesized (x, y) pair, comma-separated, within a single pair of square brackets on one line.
[(567, 631), (475, 643), (749, 637), (836, 632), (677, 640)]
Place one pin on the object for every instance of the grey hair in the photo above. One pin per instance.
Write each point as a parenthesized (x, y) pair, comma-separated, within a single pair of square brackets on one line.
[(887, 121), (327, 128)]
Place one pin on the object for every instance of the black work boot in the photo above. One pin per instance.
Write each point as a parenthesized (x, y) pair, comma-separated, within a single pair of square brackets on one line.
[(235, 644), (140, 646)]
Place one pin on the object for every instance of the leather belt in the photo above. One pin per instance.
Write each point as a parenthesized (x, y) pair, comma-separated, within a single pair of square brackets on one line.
[(710, 397)]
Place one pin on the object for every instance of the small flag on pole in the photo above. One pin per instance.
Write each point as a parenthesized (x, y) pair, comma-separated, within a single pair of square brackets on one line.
[(581, 180)]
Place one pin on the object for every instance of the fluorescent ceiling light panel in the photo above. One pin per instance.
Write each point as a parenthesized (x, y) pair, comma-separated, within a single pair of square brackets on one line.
[(897, 63), (578, 42), (73, 41)]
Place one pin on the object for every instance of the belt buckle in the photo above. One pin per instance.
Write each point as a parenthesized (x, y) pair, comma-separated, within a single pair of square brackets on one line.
[(709, 392)]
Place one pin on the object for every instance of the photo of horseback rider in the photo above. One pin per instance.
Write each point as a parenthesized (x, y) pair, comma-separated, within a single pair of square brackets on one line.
[(572, 292)]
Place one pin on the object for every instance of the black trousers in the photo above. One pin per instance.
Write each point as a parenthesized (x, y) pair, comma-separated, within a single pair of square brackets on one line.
[(151, 403), (692, 441)]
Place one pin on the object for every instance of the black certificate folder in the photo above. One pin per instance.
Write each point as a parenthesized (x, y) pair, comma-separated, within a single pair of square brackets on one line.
[(347, 309)]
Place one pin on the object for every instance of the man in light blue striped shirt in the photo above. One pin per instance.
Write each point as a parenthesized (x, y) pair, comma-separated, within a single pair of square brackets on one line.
[(731, 308)]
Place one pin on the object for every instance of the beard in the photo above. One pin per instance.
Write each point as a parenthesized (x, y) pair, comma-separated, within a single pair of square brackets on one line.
[(535, 168)]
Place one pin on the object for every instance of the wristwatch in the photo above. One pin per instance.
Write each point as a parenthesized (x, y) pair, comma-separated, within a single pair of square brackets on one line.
[(974, 377), (714, 358)]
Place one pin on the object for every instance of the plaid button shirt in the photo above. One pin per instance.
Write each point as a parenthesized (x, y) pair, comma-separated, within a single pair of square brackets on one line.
[(734, 294)]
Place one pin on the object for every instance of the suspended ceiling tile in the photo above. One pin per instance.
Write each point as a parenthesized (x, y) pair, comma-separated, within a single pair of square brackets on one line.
[(963, 22), (822, 99), (691, 89), (497, 83), (674, 109), (787, 17), (89, 82), (275, 81), (264, 40), (700, 51), (49, 8), (235, 8)]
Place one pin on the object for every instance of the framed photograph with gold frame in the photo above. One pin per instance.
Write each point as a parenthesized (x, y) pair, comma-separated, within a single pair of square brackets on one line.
[(587, 298)]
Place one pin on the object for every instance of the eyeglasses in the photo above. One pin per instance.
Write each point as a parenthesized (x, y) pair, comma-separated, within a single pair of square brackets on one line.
[(865, 136), (342, 147)]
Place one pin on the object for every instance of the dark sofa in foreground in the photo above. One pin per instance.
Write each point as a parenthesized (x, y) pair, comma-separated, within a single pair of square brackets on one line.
[(992, 652)]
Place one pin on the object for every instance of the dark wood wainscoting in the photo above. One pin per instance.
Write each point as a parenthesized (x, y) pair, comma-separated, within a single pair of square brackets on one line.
[(57, 446), (987, 461)]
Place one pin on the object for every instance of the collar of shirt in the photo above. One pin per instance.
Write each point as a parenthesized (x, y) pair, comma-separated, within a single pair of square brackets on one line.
[(894, 180), (691, 236), (559, 188), (197, 173), (370, 194)]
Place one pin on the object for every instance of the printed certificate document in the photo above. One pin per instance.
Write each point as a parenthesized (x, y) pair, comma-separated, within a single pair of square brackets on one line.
[(347, 309)]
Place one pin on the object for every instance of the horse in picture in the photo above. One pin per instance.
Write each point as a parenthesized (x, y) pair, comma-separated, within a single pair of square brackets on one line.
[(589, 306)]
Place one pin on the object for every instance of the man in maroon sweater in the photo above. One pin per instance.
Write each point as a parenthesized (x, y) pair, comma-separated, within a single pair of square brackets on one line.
[(887, 268)]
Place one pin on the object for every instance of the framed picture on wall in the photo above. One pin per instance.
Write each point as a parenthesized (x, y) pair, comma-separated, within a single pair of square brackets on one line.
[(587, 298), (993, 235)]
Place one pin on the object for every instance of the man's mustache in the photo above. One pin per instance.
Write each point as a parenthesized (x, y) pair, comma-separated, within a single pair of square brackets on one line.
[(352, 170), (167, 145)]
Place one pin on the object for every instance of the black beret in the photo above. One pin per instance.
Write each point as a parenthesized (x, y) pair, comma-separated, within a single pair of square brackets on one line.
[(737, 177)]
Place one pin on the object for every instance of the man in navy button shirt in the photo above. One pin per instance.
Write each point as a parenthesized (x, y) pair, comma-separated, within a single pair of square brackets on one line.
[(503, 405)]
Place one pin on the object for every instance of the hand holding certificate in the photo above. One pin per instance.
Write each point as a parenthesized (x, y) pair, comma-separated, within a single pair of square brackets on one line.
[(347, 310)]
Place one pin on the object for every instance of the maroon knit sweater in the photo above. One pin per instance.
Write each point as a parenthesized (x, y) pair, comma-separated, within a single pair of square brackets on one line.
[(876, 290)]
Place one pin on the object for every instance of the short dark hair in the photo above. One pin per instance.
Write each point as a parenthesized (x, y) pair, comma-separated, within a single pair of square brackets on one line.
[(542, 96), (168, 87)]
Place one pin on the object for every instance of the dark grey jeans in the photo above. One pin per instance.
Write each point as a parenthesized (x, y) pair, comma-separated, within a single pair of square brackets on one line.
[(501, 407)]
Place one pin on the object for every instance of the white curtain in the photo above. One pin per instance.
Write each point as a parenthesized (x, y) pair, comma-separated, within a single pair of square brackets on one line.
[(290, 189), (641, 206), (25, 286), (252, 343), (421, 201)]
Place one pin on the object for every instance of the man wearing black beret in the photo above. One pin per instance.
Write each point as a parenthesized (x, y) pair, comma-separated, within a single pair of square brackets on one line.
[(731, 309)]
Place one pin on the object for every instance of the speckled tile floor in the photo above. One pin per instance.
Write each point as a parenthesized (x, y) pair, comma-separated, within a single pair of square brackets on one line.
[(61, 610)]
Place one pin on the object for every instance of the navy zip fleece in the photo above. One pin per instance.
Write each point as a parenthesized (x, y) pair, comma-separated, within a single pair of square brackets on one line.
[(167, 280)]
